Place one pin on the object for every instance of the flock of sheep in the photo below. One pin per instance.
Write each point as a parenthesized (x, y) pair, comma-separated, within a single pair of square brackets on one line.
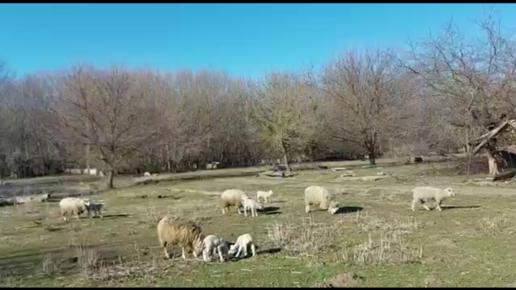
[(189, 236)]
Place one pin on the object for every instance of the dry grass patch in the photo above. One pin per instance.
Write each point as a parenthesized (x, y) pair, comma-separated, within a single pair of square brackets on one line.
[(389, 248)]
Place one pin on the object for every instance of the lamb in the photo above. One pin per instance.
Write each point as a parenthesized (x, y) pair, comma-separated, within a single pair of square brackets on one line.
[(317, 195), (146, 174), (213, 245), (425, 193), (43, 198), (73, 206), (96, 208), (184, 234), (232, 197), (263, 194), (252, 205), (241, 245)]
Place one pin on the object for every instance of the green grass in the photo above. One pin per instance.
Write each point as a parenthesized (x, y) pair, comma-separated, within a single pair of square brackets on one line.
[(468, 244)]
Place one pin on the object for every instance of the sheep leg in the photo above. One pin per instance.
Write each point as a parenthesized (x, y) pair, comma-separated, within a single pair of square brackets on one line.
[(265, 199), (253, 250), (307, 208), (414, 203), (239, 251), (245, 211), (255, 212), (245, 250), (183, 253), (219, 249), (238, 208), (205, 254), (439, 205), (166, 252)]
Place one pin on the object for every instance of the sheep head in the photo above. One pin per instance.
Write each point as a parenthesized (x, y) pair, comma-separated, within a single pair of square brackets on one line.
[(333, 208), (450, 191), (233, 249)]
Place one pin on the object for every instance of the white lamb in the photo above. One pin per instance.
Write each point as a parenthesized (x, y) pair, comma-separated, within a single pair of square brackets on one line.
[(214, 245), (241, 245), (318, 195), (146, 174), (424, 194), (251, 204), (263, 194)]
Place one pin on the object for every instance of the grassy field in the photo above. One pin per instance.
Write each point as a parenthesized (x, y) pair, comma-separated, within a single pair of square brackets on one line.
[(375, 236)]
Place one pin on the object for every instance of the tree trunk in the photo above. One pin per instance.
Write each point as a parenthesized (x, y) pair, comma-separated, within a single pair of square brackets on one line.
[(110, 179), (88, 158), (372, 156), (493, 166), (285, 155)]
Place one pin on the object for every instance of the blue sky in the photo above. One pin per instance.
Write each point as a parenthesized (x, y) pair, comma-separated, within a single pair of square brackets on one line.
[(242, 39)]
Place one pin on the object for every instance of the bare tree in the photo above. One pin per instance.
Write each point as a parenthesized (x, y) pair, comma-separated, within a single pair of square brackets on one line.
[(110, 110), (281, 112), (363, 92), (473, 78)]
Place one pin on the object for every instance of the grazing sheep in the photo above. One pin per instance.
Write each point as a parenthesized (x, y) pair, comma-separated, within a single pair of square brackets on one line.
[(264, 195), (73, 206), (96, 208), (252, 205), (425, 193), (241, 245), (318, 195), (183, 234), (146, 174), (42, 198), (213, 245), (232, 197)]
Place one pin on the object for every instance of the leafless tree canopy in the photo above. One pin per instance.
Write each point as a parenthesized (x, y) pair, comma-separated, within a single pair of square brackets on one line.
[(439, 96)]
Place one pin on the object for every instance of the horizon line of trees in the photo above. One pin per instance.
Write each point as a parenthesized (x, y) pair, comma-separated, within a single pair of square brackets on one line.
[(436, 97)]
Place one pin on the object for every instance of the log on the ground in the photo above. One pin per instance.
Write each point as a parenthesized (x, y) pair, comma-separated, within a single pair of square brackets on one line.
[(280, 174), (504, 175), (339, 169), (366, 178)]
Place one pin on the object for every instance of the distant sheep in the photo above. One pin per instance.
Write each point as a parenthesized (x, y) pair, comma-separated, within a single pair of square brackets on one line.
[(96, 208), (252, 205), (241, 245), (232, 197), (73, 206), (42, 198), (214, 245), (317, 195), (146, 174), (264, 195), (178, 233), (424, 194)]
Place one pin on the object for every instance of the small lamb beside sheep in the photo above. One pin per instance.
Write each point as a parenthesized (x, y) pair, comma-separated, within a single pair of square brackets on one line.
[(264, 195), (242, 243), (423, 194), (232, 197), (214, 245), (318, 195), (184, 234), (96, 208), (251, 204)]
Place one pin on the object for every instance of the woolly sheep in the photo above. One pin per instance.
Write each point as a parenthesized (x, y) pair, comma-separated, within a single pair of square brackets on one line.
[(179, 233), (96, 208), (317, 195), (43, 198), (251, 204), (241, 245), (146, 174), (73, 206), (424, 194), (232, 197), (264, 195), (214, 245)]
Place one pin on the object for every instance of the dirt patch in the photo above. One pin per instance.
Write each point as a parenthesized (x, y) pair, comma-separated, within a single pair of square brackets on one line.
[(341, 281)]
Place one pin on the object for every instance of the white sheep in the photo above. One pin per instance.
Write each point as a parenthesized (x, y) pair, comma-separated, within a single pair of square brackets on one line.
[(43, 198), (264, 195), (73, 206), (214, 245), (423, 194), (318, 195), (252, 205), (232, 197), (96, 208), (146, 174), (241, 245)]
